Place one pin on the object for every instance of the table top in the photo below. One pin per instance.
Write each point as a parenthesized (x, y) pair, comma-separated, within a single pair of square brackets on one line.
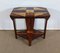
[(36, 12)]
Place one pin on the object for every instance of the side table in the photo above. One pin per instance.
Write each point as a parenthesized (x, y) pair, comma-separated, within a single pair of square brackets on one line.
[(29, 14)]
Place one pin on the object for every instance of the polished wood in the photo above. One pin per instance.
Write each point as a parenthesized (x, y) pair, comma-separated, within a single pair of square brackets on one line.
[(29, 14)]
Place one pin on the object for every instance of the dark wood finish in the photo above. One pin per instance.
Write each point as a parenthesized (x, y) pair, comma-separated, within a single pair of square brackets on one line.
[(45, 28), (30, 13), (15, 28), (35, 34)]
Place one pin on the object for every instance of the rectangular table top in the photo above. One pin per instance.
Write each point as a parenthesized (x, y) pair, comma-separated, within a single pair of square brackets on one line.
[(23, 12)]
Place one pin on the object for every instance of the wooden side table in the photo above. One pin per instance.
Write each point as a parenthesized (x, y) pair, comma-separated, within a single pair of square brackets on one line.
[(30, 13)]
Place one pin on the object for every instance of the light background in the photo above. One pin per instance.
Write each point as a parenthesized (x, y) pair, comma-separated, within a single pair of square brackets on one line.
[(6, 7)]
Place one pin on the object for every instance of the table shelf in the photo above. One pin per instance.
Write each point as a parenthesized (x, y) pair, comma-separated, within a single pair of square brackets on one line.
[(35, 34)]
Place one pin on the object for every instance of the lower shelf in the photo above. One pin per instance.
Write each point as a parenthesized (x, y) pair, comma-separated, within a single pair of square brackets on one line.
[(33, 34)]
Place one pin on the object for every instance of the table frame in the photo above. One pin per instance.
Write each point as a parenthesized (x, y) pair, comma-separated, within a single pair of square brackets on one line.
[(30, 34)]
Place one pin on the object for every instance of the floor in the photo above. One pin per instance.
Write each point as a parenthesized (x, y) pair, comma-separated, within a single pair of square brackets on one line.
[(8, 43)]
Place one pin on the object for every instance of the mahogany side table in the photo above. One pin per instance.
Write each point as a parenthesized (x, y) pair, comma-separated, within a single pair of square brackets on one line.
[(30, 13)]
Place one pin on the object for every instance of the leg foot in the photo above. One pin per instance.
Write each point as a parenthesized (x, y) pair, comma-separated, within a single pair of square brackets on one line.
[(29, 44), (44, 37), (16, 37)]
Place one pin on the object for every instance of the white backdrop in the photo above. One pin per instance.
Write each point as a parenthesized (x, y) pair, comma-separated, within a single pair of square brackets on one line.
[(6, 7)]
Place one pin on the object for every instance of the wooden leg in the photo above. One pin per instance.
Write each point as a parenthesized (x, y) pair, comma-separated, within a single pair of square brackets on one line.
[(29, 39), (29, 24), (15, 28), (45, 28)]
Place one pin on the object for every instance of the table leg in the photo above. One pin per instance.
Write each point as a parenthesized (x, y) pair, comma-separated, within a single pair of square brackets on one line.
[(30, 25), (15, 28), (45, 28), (29, 39)]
